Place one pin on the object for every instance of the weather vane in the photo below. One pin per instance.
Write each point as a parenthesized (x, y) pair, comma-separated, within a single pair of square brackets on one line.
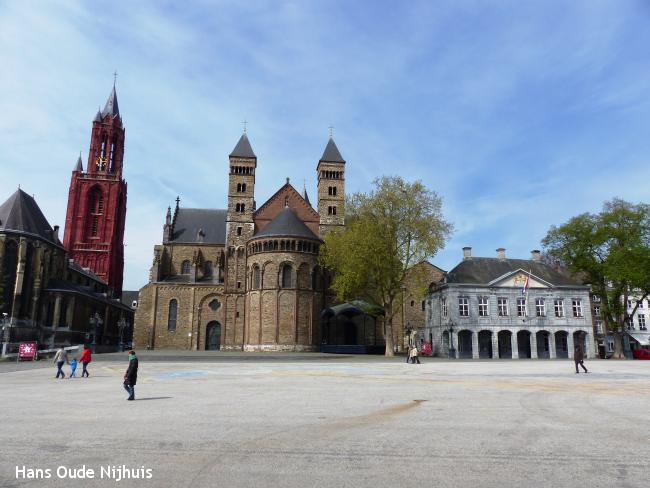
[(331, 129), (114, 78), (244, 122)]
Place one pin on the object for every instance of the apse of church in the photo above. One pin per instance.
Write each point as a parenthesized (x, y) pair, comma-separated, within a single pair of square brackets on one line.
[(243, 278)]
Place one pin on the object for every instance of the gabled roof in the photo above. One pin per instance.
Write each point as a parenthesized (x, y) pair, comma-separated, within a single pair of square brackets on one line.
[(287, 187), (111, 107), (200, 225), (331, 153), (243, 148), (21, 213), (483, 271), (286, 224)]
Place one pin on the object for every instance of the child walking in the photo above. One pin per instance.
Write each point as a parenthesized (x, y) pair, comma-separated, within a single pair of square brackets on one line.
[(73, 367)]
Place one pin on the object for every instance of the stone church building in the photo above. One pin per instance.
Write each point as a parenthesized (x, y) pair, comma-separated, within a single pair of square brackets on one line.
[(243, 277)]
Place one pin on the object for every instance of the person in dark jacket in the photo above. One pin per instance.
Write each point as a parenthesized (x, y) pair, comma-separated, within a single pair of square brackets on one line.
[(85, 359), (131, 375), (579, 357)]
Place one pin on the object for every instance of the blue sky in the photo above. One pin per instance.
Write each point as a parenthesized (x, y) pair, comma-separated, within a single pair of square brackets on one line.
[(519, 114)]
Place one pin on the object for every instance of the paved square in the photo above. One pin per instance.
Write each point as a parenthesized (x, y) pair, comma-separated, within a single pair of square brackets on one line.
[(340, 421)]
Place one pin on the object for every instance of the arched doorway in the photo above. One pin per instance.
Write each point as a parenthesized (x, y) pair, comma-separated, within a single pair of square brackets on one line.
[(465, 344), (523, 344), (505, 344), (543, 346), (485, 344), (561, 345), (579, 338), (213, 336)]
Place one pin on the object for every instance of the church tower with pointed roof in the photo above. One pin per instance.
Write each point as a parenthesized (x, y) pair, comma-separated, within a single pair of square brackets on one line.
[(96, 213), (331, 188), (241, 205)]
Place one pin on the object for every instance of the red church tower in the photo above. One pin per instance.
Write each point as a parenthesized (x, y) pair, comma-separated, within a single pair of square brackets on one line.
[(94, 224)]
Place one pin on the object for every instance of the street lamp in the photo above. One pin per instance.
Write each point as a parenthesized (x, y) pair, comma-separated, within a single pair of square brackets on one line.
[(5, 329), (452, 351), (96, 321), (5, 333), (408, 332), (121, 325)]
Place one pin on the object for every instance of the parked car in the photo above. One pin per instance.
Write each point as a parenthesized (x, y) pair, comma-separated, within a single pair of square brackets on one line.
[(641, 354)]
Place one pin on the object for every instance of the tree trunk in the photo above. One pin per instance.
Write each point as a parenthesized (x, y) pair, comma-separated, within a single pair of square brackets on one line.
[(618, 345), (388, 331)]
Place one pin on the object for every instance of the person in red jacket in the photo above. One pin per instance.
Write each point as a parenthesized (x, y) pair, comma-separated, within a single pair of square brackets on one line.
[(85, 359)]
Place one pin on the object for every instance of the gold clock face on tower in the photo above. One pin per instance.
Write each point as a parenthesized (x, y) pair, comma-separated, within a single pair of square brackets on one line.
[(100, 163)]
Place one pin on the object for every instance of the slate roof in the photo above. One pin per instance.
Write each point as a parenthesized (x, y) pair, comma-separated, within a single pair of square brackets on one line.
[(243, 148), (481, 271), (212, 223), (65, 286), (129, 296), (79, 166), (111, 108), (331, 153), (72, 264), (287, 224), (21, 213)]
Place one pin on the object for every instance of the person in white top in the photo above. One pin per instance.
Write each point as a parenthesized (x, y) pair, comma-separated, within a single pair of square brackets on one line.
[(60, 358)]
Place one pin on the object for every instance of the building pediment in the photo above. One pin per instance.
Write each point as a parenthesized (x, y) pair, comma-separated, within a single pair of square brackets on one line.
[(517, 278)]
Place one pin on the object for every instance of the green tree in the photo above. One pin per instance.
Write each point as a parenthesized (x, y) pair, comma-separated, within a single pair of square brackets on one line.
[(611, 251), (388, 231)]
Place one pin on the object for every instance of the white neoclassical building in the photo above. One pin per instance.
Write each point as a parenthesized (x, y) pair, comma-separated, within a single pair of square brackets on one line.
[(483, 305)]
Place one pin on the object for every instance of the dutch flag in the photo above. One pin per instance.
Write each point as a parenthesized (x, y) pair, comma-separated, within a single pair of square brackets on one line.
[(524, 289)]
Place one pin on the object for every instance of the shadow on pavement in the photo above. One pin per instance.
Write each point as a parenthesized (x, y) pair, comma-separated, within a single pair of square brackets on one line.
[(152, 398)]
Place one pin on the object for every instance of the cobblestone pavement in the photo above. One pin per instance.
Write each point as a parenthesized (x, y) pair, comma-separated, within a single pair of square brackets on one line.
[(336, 422)]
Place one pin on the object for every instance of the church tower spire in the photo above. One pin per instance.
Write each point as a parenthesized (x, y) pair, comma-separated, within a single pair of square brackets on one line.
[(241, 203), (331, 188), (96, 214)]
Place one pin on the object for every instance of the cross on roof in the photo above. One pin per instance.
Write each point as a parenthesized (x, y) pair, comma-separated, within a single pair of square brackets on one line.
[(245, 122), (114, 78), (331, 129)]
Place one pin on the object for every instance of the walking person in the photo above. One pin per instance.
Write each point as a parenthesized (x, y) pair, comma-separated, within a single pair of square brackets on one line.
[(414, 355), (73, 367), (85, 359), (408, 354), (60, 358), (578, 357), (131, 375)]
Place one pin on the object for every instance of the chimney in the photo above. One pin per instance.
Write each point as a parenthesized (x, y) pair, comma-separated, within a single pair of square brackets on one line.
[(536, 255), (55, 233), (467, 253), (501, 253)]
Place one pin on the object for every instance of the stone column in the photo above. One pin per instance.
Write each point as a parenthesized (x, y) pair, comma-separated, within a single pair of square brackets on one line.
[(69, 318), (453, 342), (475, 351), (57, 312), (569, 342), (20, 276), (590, 346), (533, 345), (551, 346), (495, 344), (514, 346)]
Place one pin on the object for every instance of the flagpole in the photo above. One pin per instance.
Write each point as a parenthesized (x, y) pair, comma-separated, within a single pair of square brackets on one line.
[(527, 288)]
